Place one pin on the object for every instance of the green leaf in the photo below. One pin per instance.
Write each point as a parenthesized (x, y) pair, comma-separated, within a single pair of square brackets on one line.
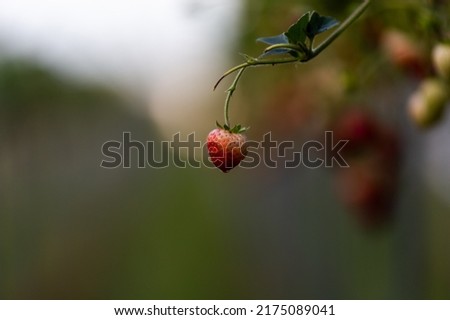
[(318, 24), (278, 51), (281, 38), (313, 24), (238, 129), (309, 25), (296, 33), (219, 125), (326, 23), (243, 129)]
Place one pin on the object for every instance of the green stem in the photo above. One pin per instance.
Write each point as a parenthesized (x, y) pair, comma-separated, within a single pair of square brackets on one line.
[(255, 62), (355, 15), (306, 55), (298, 48), (230, 91), (310, 54)]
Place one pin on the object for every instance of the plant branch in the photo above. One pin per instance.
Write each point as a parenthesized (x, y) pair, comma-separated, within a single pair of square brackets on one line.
[(344, 25), (306, 54), (298, 48), (253, 63), (230, 92)]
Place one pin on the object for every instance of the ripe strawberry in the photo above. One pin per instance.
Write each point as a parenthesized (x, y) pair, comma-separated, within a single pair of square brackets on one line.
[(226, 148)]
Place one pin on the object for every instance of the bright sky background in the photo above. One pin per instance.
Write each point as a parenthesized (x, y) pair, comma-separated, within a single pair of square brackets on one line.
[(168, 51)]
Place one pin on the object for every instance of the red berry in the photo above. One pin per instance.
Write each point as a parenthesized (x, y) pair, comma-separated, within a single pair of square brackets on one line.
[(358, 127), (404, 52), (226, 149), (368, 190), (368, 186)]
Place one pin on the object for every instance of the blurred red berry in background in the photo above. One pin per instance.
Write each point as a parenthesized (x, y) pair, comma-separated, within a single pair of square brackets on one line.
[(368, 186)]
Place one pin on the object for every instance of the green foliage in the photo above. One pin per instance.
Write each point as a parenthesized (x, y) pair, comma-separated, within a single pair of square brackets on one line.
[(236, 129), (296, 33), (308, 26), (297, 41), (281, 38), (318, 24)]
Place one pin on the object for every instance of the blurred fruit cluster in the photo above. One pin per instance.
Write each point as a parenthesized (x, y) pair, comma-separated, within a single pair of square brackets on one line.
[(427, 103), (368, 185), (392, 64)]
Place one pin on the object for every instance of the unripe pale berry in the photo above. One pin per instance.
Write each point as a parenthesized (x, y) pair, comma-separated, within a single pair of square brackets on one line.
[(441, 59), (426, 105)]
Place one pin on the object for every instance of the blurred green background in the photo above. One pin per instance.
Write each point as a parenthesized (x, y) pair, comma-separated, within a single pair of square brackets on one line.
[(70, 229)]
